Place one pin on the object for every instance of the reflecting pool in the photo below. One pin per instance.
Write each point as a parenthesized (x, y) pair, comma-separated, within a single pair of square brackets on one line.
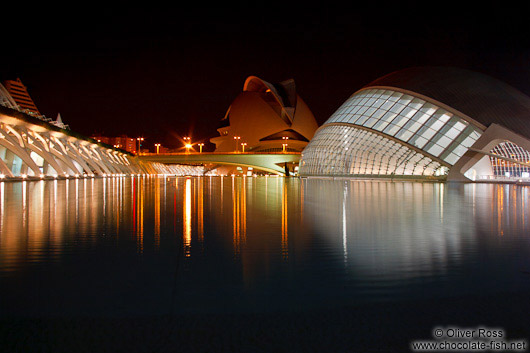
[(238, 263)]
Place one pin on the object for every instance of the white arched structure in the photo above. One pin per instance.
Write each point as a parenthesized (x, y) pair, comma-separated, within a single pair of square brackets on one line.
[(30, 147), (434, 123)]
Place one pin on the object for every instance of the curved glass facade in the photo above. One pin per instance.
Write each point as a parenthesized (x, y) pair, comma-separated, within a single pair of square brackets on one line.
[(348, 150), (396, 133)]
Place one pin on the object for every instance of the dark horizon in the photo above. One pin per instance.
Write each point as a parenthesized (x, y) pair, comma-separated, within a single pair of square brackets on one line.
[(156, 74)]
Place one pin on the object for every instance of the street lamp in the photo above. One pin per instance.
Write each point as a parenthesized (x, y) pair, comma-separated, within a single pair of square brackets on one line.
[(236, 139), (200, 147), (157, 147), (187, 143), (139, 139), (284, 144), (243, 145)]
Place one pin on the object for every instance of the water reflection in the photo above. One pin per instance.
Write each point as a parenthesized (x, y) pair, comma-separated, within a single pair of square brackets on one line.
[(187, 218), (395, 230), (239, 213), (321, 240)]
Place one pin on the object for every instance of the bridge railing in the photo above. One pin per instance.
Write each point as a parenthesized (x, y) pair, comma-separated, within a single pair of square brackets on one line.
[(214, 153)]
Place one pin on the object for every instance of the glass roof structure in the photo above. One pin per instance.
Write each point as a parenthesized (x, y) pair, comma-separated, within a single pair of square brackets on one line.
[(438, 123), (387, 132)]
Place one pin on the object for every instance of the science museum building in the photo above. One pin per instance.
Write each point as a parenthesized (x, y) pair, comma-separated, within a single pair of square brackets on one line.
[(426, 123)]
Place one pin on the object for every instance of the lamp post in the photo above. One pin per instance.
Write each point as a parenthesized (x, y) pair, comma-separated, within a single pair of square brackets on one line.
[(187, 143), (200, 147), (236, 139), (157, 147), (243, 146), (139, 139), (284, 144)]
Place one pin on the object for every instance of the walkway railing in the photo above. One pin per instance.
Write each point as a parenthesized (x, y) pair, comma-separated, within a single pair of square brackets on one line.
[(215, 153)]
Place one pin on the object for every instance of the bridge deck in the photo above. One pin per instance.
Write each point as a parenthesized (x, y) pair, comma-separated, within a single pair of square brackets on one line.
[(269, 162)]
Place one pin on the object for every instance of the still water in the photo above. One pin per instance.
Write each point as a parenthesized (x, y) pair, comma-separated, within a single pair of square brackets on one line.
[(154, 246)]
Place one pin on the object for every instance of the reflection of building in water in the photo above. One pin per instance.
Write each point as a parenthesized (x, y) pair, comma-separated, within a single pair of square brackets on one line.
[(506, 209), (404, 223), (276, 239), (138, 213), (157, 213), (285, 222), (193, 213), (44, 215), (186, 233), (200, 209), (239, 212)]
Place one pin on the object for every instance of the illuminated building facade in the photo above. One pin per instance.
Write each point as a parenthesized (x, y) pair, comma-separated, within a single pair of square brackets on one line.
[(428, 123), (20, 95), (123, 142), (266, 117)]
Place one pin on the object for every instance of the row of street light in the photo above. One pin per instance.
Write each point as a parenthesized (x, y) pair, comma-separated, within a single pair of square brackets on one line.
[(188, 145), (243, 144)]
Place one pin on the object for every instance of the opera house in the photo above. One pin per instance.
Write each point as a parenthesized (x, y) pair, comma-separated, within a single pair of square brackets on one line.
[(435, 123), (264, 117)]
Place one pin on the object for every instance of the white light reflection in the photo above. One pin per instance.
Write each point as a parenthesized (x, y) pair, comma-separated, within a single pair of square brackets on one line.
[(344, 225), (187, 218)]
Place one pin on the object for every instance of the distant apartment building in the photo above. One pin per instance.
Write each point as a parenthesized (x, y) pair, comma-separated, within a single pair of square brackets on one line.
[(123, 142), (20, 95), (14, 95)]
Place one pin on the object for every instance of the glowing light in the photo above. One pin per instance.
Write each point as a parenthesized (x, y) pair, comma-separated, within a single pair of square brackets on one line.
[(236, 139), (187, 219)]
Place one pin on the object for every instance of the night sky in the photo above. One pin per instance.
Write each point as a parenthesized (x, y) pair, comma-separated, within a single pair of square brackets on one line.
[(165, 72)]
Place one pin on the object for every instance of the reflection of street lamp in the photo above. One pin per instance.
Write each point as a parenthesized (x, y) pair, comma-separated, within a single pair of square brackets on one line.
[(139, 139), (157, 147), (243, 145), (200, 147), (236, 139)]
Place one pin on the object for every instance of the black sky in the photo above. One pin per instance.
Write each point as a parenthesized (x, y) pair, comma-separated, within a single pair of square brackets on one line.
[(161, 72)]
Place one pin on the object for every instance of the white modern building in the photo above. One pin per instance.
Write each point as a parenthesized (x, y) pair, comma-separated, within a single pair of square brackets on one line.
[(426, 123), (265, 117)]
